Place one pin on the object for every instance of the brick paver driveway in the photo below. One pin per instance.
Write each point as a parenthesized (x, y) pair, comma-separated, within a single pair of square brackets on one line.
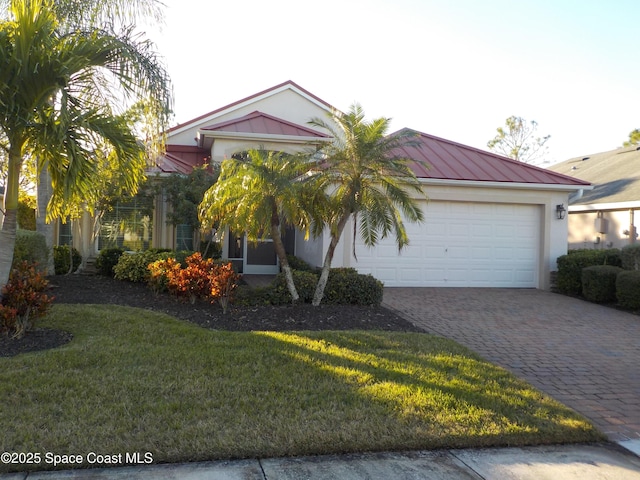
[(584, 355)]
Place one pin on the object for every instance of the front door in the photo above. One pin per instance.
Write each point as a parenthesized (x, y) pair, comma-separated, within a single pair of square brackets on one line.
[(261, 258), (252, 258)]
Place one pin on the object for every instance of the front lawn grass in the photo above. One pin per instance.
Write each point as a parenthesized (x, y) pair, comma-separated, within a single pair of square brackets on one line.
[(138, 381)]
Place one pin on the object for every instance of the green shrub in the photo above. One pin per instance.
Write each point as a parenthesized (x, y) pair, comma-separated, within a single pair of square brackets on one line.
[(61, 259), (346, 286), (134, 266), (30, 247), (569, 279), (298, 264), (211, 250), (107, 260), (26, 214), (305, 283), (599, 283), (628, 289), (630, 256)]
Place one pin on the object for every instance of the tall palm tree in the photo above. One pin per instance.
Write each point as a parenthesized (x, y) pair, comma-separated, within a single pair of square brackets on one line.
[(367, 180), (259, 193), (60, 93), (108, 15)]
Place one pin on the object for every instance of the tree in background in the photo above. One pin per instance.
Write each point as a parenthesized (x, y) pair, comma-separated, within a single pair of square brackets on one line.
[(61, 92), (518, 140), (366, 180), (184, 194), (634, 139)]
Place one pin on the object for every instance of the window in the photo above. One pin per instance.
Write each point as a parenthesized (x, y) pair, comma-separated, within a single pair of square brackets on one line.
[(65, 237), (129, 225), (184, 237)]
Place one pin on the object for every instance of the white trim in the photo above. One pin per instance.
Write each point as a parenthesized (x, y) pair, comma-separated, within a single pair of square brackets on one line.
[(594, 207), (489, 184), (202, 134)]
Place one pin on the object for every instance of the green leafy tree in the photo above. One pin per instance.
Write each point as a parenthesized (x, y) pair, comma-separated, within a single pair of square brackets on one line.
[(518, 140), (184, 193), (367, 180), (60, 95), (634, 139), (259, 192)]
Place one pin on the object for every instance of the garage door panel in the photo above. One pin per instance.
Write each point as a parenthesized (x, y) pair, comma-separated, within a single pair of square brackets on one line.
[(462, 244)]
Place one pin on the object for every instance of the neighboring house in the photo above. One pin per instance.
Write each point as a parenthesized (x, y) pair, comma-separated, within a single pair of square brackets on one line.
[(609, 214), (490, 221)]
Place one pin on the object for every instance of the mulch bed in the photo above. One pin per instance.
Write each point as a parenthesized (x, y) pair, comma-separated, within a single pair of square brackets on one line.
[(97, 289)]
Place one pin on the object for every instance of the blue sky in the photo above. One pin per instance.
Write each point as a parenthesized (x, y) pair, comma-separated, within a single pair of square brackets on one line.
[(452, 68)]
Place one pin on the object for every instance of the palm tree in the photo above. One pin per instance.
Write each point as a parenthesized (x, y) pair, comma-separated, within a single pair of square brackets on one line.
[(60, 93), (368, 179), (259, 193), (108, 15)]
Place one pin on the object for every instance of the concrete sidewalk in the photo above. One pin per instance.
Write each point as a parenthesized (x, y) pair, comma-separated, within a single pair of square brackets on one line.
[(579, 462)]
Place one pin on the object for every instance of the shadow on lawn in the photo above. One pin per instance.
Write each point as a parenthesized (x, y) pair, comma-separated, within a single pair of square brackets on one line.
[(434, 385)]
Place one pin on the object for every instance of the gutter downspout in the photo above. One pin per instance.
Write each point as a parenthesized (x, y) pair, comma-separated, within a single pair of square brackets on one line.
[(632, 228)]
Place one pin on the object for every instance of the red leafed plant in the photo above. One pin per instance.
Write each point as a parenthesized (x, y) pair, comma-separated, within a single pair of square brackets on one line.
[(223, 282), (198, 279), (23, 300)]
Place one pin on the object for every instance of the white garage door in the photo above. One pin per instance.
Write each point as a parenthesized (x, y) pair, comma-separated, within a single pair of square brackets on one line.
[(461, 245)]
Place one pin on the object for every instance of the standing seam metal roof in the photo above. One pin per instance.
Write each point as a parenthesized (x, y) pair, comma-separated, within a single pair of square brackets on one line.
[(449, 160), (259, 122)]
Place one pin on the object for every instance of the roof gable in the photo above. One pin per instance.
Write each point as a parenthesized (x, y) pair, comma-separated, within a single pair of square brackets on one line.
[(262, 123), (616, 175), (240, 106), (438, 158)]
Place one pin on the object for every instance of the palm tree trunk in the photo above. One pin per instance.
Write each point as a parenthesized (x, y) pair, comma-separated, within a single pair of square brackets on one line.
[(284, 263), (328, 258), (44, 192), (10, 222), (8, 242)]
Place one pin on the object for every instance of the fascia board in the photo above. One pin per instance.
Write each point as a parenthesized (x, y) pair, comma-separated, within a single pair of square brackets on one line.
[(511, 185), (261, 137), (594, 207)]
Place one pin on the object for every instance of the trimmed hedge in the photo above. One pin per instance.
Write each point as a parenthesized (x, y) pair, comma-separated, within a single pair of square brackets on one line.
[(298, 264), (30, 247), (305, 283), (107, 260), (599, 283), (134, 266), (61, 259), (569, 279), (346, 286), (628, 289), (630, 256)]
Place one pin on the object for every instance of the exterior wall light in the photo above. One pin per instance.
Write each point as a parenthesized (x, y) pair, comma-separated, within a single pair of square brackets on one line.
[(561, 212)]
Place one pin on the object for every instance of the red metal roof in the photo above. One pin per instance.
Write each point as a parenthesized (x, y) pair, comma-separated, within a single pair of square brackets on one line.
[(259, 122), (255, 95), (449, 160), (182, 159)]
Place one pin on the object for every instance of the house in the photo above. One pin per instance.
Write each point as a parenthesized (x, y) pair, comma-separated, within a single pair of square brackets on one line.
[(490, 221), (609, 215)]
